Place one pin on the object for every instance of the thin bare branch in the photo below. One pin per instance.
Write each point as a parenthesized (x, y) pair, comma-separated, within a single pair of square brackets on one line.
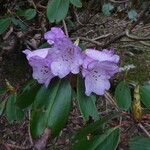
[(102, 37), (119, 2), (111, 99), (88, 40), (30, 137), (145, 43), (65, 28), (17, 147), (76, 15), (8, 33), (136, 37), (144, 129)]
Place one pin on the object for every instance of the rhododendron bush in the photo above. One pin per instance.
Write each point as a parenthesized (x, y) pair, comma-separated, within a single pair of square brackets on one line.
[(69, 76)]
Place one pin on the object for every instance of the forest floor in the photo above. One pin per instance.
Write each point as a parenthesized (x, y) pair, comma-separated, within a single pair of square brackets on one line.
[(14, 68)]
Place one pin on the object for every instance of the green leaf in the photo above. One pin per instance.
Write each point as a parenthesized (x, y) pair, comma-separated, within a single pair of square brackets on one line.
[(145, 95), (52, 9), (2, 106), (14, 21), (44, 45), (76, 3), (19, 23), (27, 96), (2, 90), (132, 14), (30, 14), (111, 142), (107, 8), (13, 113), (57, 10), (39, 115), (86, 103), (123, 95), (51, 108), (10, 108), (108, 139), (20, 12), (94, 128), (4, 24), (139, 143), (59, 110)]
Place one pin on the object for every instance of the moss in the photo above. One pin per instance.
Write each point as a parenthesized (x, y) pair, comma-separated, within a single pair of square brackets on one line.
[(141, 73)]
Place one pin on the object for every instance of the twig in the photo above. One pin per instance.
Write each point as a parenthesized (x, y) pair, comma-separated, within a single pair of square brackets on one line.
[(93, 40), (32, 3), (41, 6), (142, 42), (115, 39), (127, 40), (119, 2), (111, 99), (88, 40), (102, 37), (145, 44), (8, 33), (136, 37), (76, 16), (17, 147), (65, 28), (30, 137), (143, 128)]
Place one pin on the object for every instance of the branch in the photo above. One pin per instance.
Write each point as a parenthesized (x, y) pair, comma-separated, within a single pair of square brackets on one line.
[(8, 33), (111, 99), (136, 37), (143, 128), (30, 137), (65, 28), (115, 39), (88, 40), (93, 40), (119, 2), (145, 44), (102, 36), (17, 147), (76, 16)]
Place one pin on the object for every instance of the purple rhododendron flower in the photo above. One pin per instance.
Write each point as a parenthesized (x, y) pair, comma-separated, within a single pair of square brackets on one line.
[(64, 57), (69, 57), (98, 68), (40, 60)]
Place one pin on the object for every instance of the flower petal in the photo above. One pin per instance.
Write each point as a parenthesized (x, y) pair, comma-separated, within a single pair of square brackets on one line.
[(110, 68), (104, 55), (40, 61), (97, 86), (60, 68), (42, 53), (41, 70), (54, 34), (69, 59)]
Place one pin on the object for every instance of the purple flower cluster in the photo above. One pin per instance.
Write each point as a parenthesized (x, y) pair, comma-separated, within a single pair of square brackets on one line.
[(64, 57)]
